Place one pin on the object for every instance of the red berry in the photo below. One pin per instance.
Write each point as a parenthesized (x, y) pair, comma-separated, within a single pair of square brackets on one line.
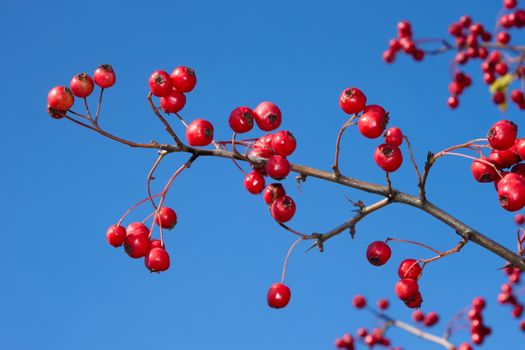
[(388, 157), (409, 268), (519, 219), (503, 37), (241, 120), (489, 78), (137, 246), (394, 45), (183, 79), (482, 171), (511, 193), (283, 143), (372, 124), (265, 141), (517, 311), (278, 296), (352, 100), (156, 243), (415, 302), (375, 108), (404, 29), (199, 133), (55, 113), (502, 134), (465, 21), (160, 83), (394, 136), (418, 316), (277, 167), (406, 289), (157, 260), (520, 148), (174, 102), (378, 253), (517, 96), (389, 56), (254, 182), (478, 303), (137, 228), (272, 192), (431, 319), (82, 85), (104, 76), (283, 209), (382, 304), (455, 88), (359, 301), (501, 68), (418, 55), (465, 346), (115, 235), (60, 98), (510, 4), (166, 218), (522, 325), (267, 116), (361, 332), (453, 102)]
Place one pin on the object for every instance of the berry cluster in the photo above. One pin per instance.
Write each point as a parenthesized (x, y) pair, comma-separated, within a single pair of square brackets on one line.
[(478, 330), (404, 43), (371, 124), (61, 98), (137, 242), (507, 296), (428, 320)]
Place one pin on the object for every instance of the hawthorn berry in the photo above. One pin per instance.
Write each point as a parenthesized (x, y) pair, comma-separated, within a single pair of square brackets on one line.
[(174, 102), (465, 346), (156, 243), (406, 289), (104, 76), (382, 304), (418, 316), (404, 29), (267, 116), (157, 260), (199, 133), (352, 100), (394, 136), (278, 296), (160, 83), (55, 113), (183, 79), (82, 85), (503, 37), (283, 209), (116, 235), (389, 56), (166, 218), (519, 219), (502, 134), (511, 192), (415, 302), (378, 253), (453, 102), (372, 124), (254, 182), (482, 171), (409, 268), (478, 303), (359, 301), (376, 109), (517, 96), (137, 228), (283, 143), (272, 192), (137, 246), (388, 157), (60, 98), (431, 319), (277, 167), (510, 4), (241, 120)]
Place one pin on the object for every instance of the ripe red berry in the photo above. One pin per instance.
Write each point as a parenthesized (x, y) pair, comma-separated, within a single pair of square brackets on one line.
[(272, 192), (520, 148), (157, 260), (115, 235), (82, 85), (465, 346), (55, 113), (382, 304), (156, 243), (517, 311), (453, 102), (501, 68), (283, 143), (352, 100), (267, 116), (278, 296), (174, 102), (283, 209), (388, 157), (183, 79), (359, 301), (409, 268), (519, 219), (376, 109), (254, 182), (418, 316), (406, 289), (166, 218), (502, 134), (378, 253), (404, 29), (137, 228), (199, 133), (277, 167), (104, 76), (482, 171), (389, 56), (511, 193), (60, 98), (137, 246), (241, 120), (372, 124), (478, 303), (503, 37), (431, 319), (394, 136), (160, 83), (517, 96), (522, 325), (265, 141), (510, 4), (415, 302)]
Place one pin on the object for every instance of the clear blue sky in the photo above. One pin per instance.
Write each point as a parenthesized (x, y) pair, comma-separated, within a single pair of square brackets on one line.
[(63, 287)]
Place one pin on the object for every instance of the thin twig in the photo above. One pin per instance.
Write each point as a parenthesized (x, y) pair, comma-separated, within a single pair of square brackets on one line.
[(338, 142)]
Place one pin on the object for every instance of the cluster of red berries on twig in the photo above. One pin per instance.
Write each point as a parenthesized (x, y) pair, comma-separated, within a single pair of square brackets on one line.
[(403, 43), (428, 320)]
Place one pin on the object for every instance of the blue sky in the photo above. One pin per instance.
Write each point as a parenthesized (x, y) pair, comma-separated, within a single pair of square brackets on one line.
[(63, 287)]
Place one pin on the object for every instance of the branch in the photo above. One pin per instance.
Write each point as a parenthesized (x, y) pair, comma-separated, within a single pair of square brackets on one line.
[(417, 332)]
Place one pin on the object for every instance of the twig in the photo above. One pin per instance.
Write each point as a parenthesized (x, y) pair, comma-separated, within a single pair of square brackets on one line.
[(162, 154), (167, 126), (338, 142)]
